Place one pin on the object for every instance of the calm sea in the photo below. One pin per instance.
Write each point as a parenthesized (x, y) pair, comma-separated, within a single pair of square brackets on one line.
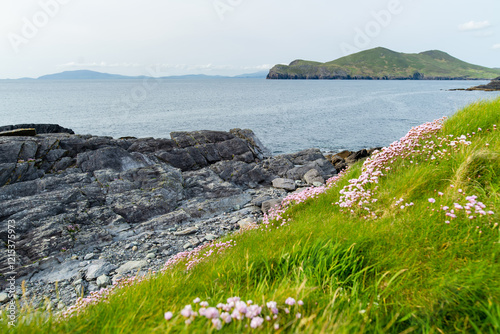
[(286, 115)]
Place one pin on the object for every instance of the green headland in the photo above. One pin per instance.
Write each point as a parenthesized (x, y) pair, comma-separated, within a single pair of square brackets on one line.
[(384, 64)]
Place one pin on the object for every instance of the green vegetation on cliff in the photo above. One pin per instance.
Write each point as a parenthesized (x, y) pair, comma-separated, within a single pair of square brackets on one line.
[(407, 243), (381, 63)]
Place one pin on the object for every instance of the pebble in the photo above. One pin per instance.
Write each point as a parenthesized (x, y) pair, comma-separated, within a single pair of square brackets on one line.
[(4, 297), (151, 256), (89, 256), (134, 248)]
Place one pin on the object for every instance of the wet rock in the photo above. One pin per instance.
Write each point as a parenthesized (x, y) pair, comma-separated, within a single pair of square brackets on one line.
[(98, 268)]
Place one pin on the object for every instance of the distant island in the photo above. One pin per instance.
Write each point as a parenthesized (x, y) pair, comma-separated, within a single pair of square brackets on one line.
[(384, 64), (93, 75)]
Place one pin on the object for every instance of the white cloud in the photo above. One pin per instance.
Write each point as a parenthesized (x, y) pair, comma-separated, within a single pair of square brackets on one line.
[(474, 25), (496, 46)]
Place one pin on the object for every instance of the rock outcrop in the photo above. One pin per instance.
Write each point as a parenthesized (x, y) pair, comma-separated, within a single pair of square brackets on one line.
[(494, 85), (90, 209)]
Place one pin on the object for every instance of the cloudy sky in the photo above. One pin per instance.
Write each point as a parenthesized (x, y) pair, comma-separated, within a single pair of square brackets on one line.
[(229, 37)]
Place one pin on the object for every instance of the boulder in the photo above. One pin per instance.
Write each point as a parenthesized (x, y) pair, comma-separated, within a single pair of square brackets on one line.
[(98, 268)]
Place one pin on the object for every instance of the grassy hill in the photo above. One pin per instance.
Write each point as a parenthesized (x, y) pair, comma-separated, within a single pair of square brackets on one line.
[(409, 242), (381, 63)]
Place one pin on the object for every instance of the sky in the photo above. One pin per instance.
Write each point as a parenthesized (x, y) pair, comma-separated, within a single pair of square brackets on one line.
[(230, 37)]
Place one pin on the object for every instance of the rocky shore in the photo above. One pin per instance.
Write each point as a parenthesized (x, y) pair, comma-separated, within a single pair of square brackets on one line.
[(89, 210), (492, 86)]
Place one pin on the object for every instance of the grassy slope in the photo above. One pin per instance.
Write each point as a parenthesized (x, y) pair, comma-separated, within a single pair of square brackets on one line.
[(380, 62), (407, 271)]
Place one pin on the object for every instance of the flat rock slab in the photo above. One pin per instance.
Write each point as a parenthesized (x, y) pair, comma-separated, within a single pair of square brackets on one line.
[(187, 231), (287, 184), (18, 132)]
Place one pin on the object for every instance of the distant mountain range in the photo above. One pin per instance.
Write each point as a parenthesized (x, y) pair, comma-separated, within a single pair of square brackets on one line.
[(93, 75), (384, 64)]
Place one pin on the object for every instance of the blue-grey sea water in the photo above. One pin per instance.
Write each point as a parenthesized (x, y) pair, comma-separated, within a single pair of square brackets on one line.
[(286, 115)]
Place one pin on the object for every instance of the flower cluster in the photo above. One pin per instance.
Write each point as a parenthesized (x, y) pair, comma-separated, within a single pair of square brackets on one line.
[(73, 228), (468, 207), (357, 192), (236, 310), (197, 255)]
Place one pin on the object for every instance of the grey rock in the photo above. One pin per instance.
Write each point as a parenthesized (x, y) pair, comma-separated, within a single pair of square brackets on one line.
[(246, 223), (286, 184), (89, 256), (210, 237), (273, 203), (3, 297), (98, 268), (151, 256), (131, 266), (114, 158), (103, 281), (190, 230), (313, 176)]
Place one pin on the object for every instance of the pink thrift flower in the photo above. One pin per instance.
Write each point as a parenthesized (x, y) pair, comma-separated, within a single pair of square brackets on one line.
[(276, 326), (241, 307), (256, 322), (300, 302), (271, 304), (287, 311), (440, 194), (226, 317), (432, 200), (298, 315), (187, 311), (204, 304), (217, 323), (290, 301), (447, 222), (211, 313), (168, 315)]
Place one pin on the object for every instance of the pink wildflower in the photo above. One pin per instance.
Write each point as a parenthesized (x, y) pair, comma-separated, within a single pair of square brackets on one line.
[(432, 200), (290, 301), (168, 315), (256, 322), (217, 323)]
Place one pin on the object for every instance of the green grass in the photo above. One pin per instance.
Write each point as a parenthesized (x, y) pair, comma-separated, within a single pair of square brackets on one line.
[(381, 62), (404, 272)]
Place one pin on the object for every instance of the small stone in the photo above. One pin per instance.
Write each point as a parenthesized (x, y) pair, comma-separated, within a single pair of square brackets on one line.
[(78, 282), (131, 265), (89, 256), (188, 245), (134, 248), (317, 184), (151, 256), (60, 305), (103, 281), (187, 231), (49, 306), (210, 237), (4, 297), (74, 257), (246, 223)]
